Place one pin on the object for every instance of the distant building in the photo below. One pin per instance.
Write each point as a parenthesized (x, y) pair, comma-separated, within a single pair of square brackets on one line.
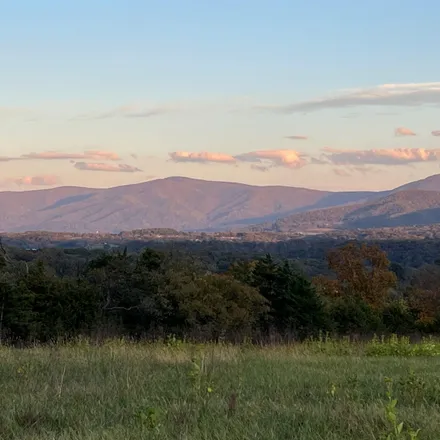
[(104, 246), (32, 249)]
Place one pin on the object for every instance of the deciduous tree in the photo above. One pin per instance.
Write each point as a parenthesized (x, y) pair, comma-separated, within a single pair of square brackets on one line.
[(363, 270)]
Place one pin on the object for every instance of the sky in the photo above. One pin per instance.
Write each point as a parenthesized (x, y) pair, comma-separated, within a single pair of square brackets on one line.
[(326, 94)]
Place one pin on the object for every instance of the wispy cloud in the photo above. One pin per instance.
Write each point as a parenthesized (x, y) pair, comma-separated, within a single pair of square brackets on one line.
[(201, 157), (401, 95), (120, 168), (403, 131), (435, 133), (89, 155), (297, 138), (351, 115), (365, 169), (56, 155), (127, 111), (284, 158), (261, 168), (45, 180), (349, 170), (341, 172), (397, 156), (319, 160)]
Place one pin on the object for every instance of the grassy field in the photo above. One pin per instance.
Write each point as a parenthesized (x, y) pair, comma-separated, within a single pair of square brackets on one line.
[(320, 390)]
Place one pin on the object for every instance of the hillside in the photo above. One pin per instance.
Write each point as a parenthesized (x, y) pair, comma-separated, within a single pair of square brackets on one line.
[(175, 202), (431, 183), (190, 204), (400, 208)]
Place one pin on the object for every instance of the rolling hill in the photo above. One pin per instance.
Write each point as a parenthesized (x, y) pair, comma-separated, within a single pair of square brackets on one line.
[(405, 207), (431, 183), (175, 202)]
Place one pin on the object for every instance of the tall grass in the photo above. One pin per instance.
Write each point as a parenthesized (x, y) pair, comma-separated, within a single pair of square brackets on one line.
[(322, 389)]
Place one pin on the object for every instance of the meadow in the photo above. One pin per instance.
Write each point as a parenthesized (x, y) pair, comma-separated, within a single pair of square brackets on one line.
[(320, 389)]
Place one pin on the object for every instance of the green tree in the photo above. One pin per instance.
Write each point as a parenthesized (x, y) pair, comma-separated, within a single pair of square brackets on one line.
[(212, 304), (352, 314), (294, 305)]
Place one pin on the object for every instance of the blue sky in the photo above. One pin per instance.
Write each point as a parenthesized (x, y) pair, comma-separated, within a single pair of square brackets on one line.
[(214, 89)]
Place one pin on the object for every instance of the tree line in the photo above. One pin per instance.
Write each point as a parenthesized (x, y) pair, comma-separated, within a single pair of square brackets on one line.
[(154, 294)]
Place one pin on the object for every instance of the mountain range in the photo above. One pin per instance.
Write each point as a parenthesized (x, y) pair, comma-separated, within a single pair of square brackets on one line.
[(191, 204), (414, 204)]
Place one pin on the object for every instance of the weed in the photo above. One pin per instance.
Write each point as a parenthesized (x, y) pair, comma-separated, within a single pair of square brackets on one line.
[(402, 346), (149, 417), (325, 344), (173, 342), (352, 388), (332, 390), (413, 387), (232, 404), (397, 430), (195, 372)]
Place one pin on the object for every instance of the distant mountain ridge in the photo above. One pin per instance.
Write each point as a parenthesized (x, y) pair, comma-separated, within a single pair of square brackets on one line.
[(431, 183), (402, 207), (175, 202)]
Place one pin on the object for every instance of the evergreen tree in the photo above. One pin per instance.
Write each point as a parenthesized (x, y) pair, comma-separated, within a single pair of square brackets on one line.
[(295, 307)]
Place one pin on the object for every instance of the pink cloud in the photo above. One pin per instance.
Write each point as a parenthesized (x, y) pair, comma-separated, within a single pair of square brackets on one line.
[(435, 133), (126, 111), (266, 158), (297, 138), (402, 131), (283, 158), (202, 157), (90, 155), (396, 156), (341, 172), (120, 168), (45, 180)]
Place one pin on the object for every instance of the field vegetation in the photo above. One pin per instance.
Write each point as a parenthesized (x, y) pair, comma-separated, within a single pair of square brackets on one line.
[(320, 389)]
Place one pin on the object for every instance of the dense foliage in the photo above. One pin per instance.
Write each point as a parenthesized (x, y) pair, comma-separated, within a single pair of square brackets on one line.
[(51, 294)]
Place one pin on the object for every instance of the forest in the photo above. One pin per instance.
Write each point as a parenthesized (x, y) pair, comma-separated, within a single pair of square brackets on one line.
[(52, 294)]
